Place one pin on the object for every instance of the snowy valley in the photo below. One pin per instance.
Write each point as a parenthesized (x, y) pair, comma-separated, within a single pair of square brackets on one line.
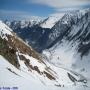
[(50, 54)]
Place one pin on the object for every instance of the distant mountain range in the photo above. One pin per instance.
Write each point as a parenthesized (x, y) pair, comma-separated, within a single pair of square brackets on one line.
[(53, 51)]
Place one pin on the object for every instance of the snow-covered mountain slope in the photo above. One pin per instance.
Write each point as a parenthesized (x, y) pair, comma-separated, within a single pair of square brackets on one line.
[(72, 23), (52, 20), (4, 30), (20, 54), (28, 64), (69, 42), (12, 78)]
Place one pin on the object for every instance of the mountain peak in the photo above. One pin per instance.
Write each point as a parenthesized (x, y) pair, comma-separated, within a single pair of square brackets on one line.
[(51, 20)]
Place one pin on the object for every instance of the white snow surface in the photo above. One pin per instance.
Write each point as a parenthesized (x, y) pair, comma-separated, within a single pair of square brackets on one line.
[(25, 81), (52, 20), (4, 30), (22, 80)]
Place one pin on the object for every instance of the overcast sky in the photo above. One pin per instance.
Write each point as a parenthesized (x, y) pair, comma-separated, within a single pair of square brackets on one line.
[(20, 9)]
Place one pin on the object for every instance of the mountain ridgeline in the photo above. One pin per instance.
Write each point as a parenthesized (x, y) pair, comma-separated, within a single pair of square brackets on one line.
[(53, 52), (72, 26)]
